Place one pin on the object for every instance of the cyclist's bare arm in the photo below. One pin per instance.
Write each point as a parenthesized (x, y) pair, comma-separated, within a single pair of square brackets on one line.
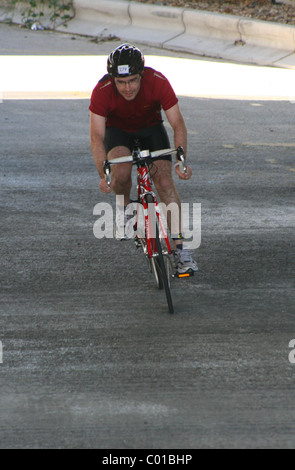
[(177, 123), (97, 134)]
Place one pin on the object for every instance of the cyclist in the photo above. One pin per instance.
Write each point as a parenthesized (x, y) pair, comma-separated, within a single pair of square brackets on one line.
[(126, 105)]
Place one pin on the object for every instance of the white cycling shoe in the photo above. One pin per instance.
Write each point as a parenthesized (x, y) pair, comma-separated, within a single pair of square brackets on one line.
[(185, 262)]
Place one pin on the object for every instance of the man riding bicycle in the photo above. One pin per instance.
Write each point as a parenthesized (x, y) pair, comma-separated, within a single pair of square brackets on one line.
[(126, 106)]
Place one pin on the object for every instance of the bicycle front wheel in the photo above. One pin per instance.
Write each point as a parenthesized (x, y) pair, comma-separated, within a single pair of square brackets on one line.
[(158, 262), (157, 272), (163, 272)]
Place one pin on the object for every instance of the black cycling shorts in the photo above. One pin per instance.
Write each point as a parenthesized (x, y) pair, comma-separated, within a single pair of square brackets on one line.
[(151, 138)]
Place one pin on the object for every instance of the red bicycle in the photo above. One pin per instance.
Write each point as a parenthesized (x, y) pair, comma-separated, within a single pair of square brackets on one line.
[(152, 237)]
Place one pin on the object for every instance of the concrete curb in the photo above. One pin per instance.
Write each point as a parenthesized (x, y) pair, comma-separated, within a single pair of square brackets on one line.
[(197, 32)]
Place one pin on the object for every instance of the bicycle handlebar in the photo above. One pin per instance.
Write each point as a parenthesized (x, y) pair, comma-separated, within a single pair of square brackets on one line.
[(141, 155)]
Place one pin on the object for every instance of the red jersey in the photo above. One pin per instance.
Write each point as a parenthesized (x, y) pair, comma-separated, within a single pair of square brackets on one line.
[(155, 93)]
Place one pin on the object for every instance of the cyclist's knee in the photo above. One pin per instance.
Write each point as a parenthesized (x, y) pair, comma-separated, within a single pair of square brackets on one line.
[(121, 173), (122, 179), (164, 183), (119, 151)]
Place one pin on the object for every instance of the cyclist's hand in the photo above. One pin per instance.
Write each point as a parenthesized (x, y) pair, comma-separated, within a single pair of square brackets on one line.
[(184, 176), (104, 187)]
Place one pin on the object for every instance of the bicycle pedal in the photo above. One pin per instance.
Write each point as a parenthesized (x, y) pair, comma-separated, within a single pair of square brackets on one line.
[(189, 273)]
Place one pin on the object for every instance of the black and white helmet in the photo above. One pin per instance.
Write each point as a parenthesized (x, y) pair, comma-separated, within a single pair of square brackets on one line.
[(125, 60)]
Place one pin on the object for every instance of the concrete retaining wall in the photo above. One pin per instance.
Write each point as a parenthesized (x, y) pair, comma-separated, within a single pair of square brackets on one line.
[(265, 34)]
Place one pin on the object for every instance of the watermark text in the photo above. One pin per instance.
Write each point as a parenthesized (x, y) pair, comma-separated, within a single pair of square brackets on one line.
[(130, 221)]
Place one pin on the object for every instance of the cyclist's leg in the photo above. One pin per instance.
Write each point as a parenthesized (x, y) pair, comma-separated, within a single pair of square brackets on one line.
[(168, 194), (121, 174), (119, 144)]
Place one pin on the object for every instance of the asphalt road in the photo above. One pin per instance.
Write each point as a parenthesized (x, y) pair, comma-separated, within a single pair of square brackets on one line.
[(90, 356)]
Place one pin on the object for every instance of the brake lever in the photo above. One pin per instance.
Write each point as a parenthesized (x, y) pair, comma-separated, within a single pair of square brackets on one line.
[(181, 160), (107, 172)]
